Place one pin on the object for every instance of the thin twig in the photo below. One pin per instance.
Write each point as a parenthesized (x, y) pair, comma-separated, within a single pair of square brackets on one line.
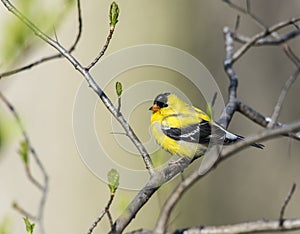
[(90, 80), (253, 40), (41, 209), (27, 67), (119, 104), (291, 55), (286, 202), (101, 215), (289, 82), (246, 11), (23, 212), (267, 41), (254, 17), (79, 33), (32, 179), (44, 187), (279, 39), (261, 120), (104, 48), (51, 57), (236, 7), (112, 195), (237, 23)]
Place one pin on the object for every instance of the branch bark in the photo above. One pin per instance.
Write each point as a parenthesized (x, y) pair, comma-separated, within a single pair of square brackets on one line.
[(196, 175)]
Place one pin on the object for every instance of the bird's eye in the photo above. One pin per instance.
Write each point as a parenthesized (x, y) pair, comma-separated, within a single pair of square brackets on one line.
[(161, 104)]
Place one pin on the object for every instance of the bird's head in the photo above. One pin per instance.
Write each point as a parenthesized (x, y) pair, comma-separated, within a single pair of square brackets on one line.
[(161, 101)]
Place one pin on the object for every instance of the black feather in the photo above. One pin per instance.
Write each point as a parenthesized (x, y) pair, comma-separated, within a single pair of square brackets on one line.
[(195, 133), (203, 133)]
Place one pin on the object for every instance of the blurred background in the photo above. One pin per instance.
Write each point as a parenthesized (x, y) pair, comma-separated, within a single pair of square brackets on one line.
[(251, 185)]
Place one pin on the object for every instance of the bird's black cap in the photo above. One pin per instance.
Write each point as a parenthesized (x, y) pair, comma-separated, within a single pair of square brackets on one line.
[(162, 100)]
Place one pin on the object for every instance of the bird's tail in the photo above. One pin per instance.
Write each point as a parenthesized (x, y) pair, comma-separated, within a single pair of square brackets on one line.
[(231, 138)]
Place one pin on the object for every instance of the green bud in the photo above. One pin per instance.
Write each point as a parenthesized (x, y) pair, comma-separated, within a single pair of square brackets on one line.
[(113, 14), (29, 226), (23, 151), (119, 88), (113, 180)]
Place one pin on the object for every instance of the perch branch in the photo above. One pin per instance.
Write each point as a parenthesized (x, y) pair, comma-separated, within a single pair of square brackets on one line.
[(196, 175)]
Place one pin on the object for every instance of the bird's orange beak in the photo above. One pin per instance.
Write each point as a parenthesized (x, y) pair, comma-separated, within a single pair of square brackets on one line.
[(154, 108)]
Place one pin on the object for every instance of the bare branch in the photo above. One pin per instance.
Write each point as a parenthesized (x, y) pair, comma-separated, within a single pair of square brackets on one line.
[(254, 17), (156, 180), (43, 187), (22, 211), (108, 211), (236, 7), (246, 11), (289, 82), (253, 40), (32, 179), (286, 202), (79, 33), (258, 118), (248, 227), (291, 55), (267, 41), (196, 175), (101, 215), (27, 67), (230, 107), (104, 48), (91, 82), (258, 226), (237, 23), (51, 57)]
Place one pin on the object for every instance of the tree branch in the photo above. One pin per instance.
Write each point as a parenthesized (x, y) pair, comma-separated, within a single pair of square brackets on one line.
[(286, 202), (248, 227), (258, 226), (91, 82), (101, 215), (104, 48), (289, 82), (51, 57), (44, 187), (156, 180), (196, 175)]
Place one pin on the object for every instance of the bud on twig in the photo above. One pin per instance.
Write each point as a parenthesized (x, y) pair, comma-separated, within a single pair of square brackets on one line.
[(113, 14), (113, 180)]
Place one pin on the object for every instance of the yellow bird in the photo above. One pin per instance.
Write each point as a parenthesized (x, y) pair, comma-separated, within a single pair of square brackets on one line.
[(185, 130)]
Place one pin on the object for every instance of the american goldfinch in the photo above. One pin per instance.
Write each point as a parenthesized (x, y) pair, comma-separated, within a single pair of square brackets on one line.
[(185, 130)]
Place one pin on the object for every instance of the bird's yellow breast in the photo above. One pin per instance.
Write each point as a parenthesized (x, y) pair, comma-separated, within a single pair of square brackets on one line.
[(178, 147), (177, 114)]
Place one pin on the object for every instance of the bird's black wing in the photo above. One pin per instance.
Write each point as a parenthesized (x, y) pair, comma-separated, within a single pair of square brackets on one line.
[(195, 133), (203, 133)]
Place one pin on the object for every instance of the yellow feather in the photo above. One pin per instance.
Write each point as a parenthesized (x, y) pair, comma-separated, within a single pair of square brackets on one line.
[(177, 114), (169, 112)]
